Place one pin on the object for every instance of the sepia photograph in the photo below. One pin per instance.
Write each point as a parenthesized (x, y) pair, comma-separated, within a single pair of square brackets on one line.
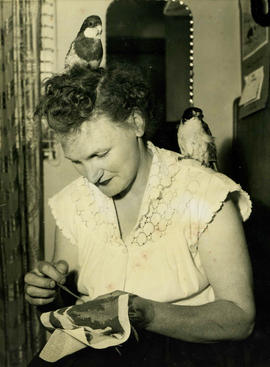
[(134, 183)]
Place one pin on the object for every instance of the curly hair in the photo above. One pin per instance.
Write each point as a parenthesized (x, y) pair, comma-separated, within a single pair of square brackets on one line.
[(80, 93)]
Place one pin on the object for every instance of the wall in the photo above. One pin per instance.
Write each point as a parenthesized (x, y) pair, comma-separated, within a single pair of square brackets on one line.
[(216, 81), (177, 69)]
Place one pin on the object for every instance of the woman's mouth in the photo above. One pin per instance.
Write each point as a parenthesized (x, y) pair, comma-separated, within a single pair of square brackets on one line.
[(104, 182)]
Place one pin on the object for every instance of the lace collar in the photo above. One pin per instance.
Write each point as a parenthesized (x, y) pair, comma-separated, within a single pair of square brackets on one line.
[(93, 207)]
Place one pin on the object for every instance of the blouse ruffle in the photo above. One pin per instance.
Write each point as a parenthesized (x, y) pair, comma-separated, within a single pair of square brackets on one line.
[(205, 192)]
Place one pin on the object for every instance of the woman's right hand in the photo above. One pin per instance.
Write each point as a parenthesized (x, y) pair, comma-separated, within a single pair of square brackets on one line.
[(40, 283)]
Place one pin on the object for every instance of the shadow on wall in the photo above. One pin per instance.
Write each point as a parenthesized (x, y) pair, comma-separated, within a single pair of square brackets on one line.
[(256, 347), (226, 156), (258, 239), (166, 136), (258, 236)]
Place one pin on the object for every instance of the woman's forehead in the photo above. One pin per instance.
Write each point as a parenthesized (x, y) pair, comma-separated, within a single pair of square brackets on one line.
[(88, 128), (93, 136)]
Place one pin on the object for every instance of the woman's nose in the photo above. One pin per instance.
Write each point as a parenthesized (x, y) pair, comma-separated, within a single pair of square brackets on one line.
[(93, 174)]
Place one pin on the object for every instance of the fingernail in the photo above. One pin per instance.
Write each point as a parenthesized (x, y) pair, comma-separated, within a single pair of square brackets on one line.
[(52, 284), (62, 281)]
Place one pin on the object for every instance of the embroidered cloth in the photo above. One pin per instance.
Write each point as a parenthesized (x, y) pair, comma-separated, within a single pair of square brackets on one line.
[(99, 323)]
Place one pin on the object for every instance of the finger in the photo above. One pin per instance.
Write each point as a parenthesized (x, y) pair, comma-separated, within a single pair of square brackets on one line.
[(79, 302), (39, 292), (37, 272), (62, 266), (112, 294), (119, 293), (38, 301), (36, 280), (50, 271)]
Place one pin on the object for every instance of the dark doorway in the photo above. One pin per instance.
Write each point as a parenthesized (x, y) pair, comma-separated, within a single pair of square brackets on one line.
[(142, 32)]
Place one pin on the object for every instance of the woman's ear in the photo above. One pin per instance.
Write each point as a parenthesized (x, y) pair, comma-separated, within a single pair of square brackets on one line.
[(138, 124)]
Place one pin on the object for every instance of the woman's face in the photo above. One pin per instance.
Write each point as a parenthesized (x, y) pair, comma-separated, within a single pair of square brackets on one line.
[(107, 154)]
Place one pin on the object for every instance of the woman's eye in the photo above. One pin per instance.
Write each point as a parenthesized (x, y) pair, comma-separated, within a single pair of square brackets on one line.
[(103, 154), (76, 162)]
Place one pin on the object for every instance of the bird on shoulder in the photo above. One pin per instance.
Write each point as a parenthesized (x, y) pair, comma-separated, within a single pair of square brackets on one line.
[(87, 47), (195, 139)]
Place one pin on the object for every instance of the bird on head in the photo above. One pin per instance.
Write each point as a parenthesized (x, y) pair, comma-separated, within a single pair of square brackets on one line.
[(195, 139), (87, 46)]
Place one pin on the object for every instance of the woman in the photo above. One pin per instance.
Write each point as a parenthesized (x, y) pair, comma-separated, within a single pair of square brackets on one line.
[(143, 221)]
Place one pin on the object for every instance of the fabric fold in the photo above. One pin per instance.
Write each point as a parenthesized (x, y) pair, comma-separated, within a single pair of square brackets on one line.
[(100, 323)]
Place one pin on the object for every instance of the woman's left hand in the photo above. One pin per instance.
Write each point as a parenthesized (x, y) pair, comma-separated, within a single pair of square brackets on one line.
[(140, 311)]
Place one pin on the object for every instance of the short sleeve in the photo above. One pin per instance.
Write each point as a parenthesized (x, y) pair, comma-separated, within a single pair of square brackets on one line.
[(211, 189), (218, 188), (64, 211)]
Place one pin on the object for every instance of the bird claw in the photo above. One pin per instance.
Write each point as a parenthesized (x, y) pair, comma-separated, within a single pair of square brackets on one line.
[(184, 156)]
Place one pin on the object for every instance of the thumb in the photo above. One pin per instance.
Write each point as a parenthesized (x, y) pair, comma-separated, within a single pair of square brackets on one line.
[(62, 266)]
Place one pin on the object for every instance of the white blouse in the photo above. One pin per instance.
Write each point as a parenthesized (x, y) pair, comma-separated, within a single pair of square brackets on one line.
[(159, 260)]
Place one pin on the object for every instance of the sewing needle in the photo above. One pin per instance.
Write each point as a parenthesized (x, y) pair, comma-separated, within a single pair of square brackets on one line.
[(69, 291)]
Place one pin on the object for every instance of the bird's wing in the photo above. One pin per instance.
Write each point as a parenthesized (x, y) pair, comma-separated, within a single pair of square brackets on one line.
[(206, 128), (200, 151), (89, 49), (181, 140), (72, 57), (212, 152)]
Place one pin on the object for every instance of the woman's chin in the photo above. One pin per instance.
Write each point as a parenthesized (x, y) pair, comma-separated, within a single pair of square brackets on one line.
[(113, 190), (109, 190), (106, 191)]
